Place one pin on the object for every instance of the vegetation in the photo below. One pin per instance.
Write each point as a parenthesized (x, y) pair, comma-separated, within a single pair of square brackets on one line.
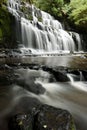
[(3, 2), (29, 1), (78, 12), (6, 21), (74, 10), (51, 6)]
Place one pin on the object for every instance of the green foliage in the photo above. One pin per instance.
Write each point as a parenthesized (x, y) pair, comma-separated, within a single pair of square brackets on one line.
[(29, 1), (72, 124), (4, 21), (3, 2), (0, 33), (78, 12), (27, 12), (51, 6), (73, 10)]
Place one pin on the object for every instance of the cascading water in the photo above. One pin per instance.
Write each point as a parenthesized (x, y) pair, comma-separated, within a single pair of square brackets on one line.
[(43, 33), (78, 84)]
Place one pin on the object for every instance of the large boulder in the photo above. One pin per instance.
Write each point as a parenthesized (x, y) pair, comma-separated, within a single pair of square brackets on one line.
[(50, 118), (59, 74), (43, 117)]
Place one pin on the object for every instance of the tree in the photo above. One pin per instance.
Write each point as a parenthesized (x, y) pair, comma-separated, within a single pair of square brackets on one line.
[(51, 6), (78, 12)]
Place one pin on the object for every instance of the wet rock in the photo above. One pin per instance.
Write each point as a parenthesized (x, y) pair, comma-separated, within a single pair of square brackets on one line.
[(84, 41), (26, 79), (38, 14), (26, 9), (13, 53), (76, 72), (21, 122), (50, 118), (60, 76), (42, 117), (31, 79), (46, 68), (84, 72), (40, 26), (78, 75), (22, 116), (5, 67), (27, 105), (6, 77), (32, 87)]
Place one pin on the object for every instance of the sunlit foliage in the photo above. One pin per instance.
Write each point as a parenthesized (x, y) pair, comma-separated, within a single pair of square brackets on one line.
[(74, 10), (51, 6), (78, 12)]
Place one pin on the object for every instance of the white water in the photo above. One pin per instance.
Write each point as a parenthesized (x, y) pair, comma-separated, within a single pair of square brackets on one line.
[(45, 36), (68, 95), (78, 84)]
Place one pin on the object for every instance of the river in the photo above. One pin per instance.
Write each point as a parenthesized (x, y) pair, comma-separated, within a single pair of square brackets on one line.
[(17, 98)]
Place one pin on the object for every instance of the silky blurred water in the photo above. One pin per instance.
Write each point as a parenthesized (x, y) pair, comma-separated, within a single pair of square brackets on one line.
[(70, 95)]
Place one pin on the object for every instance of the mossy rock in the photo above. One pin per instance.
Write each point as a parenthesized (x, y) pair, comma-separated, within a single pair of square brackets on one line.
[(43, 117), (3, 2), (6, 23), (27, 11), (50, 118)]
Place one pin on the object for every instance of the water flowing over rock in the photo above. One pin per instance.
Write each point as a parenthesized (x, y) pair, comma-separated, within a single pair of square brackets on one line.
[(40, 31)]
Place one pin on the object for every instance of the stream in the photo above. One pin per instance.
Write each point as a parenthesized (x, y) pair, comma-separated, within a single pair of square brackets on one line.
[(26, 87)]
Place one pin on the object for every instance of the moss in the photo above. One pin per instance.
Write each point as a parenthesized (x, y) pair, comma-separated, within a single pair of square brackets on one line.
[(27, 12), (29, 17), (6, 20), (40, 19), (0, 34), (72, 125), (3, 2)]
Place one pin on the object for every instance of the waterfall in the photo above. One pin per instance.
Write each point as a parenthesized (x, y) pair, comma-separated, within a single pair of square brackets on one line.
[(70, 77), (77, 40), (43, 32), (81, 76), (13, 6), (79, 85), (73, 77)]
